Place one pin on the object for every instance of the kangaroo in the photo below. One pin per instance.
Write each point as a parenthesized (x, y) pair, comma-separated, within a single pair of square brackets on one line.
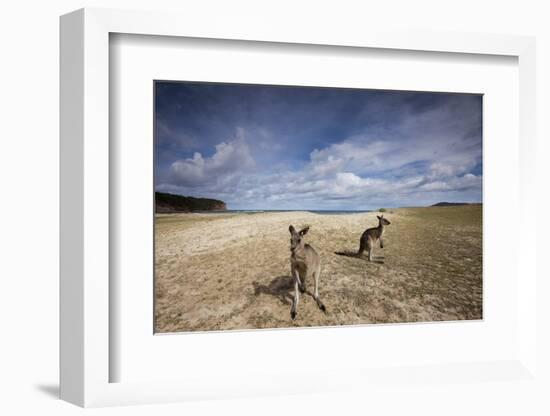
[(371, 236), (304, 263)]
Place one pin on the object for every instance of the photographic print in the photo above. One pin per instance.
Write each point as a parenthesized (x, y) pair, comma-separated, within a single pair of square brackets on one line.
[(292, 206)]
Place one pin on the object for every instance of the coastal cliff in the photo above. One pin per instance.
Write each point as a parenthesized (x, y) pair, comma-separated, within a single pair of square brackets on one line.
[(166, 203)]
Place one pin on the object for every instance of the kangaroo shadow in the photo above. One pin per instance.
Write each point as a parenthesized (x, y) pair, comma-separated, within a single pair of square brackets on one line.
[(282, 287), (353, 254)]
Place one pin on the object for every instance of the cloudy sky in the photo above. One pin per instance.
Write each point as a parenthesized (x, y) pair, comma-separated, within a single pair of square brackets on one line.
[(267, 147)]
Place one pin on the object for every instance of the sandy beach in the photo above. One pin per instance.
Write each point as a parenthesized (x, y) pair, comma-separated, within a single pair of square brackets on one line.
[(225, 271)]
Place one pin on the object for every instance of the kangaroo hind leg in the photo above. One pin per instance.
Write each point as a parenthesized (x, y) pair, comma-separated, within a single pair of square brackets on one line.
[(370, 247), (316, 295), (296, 300)]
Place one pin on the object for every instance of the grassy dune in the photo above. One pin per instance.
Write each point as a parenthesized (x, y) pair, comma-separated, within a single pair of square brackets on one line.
[(232, 271)]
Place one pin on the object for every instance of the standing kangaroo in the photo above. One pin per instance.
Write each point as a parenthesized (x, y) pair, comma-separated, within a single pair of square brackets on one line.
[(371, 236), (304, 263)]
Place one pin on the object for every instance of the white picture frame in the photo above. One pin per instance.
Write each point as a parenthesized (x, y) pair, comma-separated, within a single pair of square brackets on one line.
[(85, 214)]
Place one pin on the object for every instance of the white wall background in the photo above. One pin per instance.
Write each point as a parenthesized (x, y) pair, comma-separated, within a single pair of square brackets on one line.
[(29, 209)]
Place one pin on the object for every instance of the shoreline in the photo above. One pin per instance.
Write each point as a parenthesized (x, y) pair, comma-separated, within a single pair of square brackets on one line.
[(319, 211)]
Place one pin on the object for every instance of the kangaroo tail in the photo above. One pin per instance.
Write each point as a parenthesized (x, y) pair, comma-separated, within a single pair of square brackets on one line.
[(361, 247)]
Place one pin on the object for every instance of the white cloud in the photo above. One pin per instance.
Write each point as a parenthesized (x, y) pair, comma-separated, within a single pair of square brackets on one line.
[(457, 183), (358, 154), (331, 179), (229, 159)]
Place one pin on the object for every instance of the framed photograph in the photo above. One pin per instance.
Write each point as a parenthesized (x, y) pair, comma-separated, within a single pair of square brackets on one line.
[(260, 191), (273, 212)]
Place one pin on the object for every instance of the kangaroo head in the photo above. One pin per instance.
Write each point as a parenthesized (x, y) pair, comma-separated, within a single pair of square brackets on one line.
[(382, 220), (296, 240)]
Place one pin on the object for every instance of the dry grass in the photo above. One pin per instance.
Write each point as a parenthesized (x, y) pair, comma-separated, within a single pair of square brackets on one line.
[(232, 271)]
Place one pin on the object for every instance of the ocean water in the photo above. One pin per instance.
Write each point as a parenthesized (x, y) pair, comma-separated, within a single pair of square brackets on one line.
[(255, 211)]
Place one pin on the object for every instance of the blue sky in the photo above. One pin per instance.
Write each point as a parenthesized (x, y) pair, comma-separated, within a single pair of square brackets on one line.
[(272, 147)]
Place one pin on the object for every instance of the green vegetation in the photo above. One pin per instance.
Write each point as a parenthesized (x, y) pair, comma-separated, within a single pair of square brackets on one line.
[(165, 203), (450, 204), (382, 210)]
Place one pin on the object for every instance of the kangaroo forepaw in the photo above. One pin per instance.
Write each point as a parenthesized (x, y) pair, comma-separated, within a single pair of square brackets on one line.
[(293, 315), (302, 288)]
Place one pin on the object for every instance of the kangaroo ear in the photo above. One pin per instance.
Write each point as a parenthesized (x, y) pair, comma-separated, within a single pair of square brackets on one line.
[(379, 217), (291, 229), (304, 230)]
